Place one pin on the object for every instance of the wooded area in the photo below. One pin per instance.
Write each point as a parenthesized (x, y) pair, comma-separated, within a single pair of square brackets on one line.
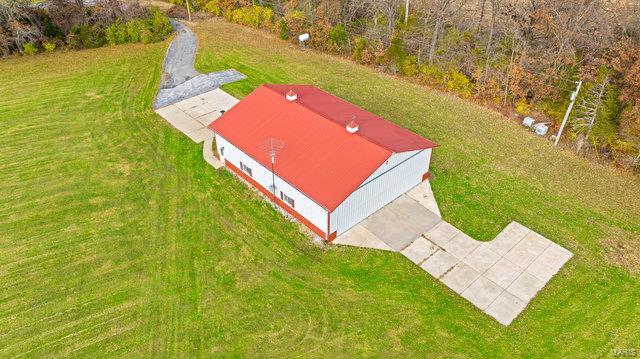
[(28, 27), (511, 55)]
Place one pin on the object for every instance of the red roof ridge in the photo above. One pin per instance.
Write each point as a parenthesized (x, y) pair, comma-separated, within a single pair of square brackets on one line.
[(328, 119), (272, 87)]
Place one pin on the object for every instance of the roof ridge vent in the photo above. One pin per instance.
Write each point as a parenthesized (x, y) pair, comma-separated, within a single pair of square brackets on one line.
[(352, 127), (291, 95)]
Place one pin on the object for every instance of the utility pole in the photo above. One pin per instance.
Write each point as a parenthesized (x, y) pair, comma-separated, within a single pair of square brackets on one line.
[(574, 95), (188, 10), (406, 11)]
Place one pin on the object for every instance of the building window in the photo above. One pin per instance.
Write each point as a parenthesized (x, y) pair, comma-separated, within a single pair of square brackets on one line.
[(246, 169), (222, 151), (287, 199)]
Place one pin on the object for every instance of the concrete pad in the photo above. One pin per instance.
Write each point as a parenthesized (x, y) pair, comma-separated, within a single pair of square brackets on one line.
[(460, 277), (419, 250), (220, 97), (424, 195), (482, 292), (503, 273), (191, 116), (439, 263), (461, 245), (505, 308), (203, 109), (549, 262), (400, 222), (482, 258), (189, 103), (375, 243), (201, 134), (527, 250), (353, 237), (525, 287), (358, 236), (208, 118), (442, 233), (508, 238)]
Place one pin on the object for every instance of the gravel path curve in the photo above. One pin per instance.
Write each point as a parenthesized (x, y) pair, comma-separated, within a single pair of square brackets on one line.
[(178, 63), (180, 80)]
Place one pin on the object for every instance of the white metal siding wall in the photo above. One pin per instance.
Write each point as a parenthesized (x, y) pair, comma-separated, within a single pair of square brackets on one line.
[(306, 207), (377, 192), (393, 160)]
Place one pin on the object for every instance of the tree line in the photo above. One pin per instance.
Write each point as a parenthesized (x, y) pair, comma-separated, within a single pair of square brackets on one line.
[(512, 55)]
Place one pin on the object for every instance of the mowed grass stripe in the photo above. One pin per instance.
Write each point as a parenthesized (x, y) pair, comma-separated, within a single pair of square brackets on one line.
[(59, 147)]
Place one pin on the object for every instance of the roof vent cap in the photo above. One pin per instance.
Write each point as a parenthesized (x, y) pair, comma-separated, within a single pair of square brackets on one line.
[(291, 96), (352, 127)]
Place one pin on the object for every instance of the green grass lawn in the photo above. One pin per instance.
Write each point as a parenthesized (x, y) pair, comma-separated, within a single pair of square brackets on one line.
[(116, 238)]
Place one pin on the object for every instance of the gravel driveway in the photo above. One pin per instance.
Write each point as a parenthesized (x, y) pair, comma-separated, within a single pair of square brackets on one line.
[(180, 80), (178, 63)]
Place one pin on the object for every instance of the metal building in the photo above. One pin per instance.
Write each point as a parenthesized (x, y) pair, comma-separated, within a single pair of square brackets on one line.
[(327, 162)]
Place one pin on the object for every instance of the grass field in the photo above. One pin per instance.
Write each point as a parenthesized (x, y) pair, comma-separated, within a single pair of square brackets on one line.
[(116, 238)]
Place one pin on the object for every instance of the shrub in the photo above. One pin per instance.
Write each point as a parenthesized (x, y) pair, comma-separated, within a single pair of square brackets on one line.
[(50, 30), (116, 33), (134, 30), (358, 49), (253, 16), (29, 49), (216, 7), (338, 37), (522, 107), (88, 36), (430, 73), (158, 24), (319, 36), (395, 52), (409, 66), (459, 83), (49, 46), (283, 31), (296, 22)]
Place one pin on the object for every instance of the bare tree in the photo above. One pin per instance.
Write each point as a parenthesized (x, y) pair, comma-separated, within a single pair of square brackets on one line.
[(587, 112), (441, 9)]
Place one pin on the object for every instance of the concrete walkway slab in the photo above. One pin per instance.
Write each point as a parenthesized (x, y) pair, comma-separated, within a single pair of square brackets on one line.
[(499, 277), (482, 258), (482, 292), (359, 236), (419, 250), (460, 277), (461, 245), (191, 116), (504, 272), (525, 287), (505, 308), (442, 233), (439, 263), (401, 222), (423, 194)]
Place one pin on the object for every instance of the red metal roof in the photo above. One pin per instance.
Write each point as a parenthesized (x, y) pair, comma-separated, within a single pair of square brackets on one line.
[(320, 158), (376, 129)]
